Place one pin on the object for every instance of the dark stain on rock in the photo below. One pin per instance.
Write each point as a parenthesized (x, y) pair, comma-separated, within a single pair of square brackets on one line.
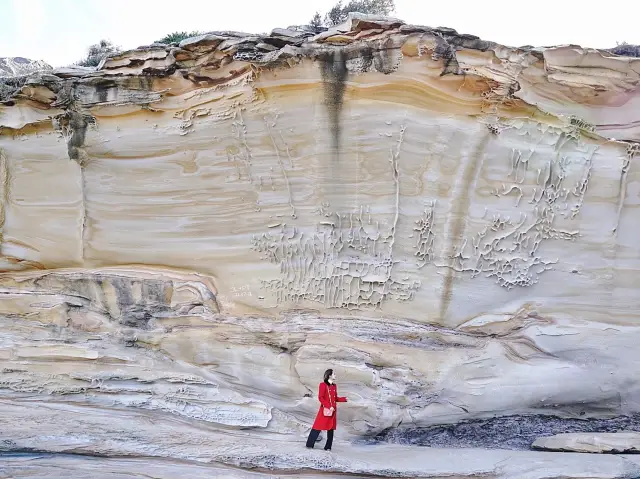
[(505, 432), (448, 41), (385, 59), (160, 72), (78, 128), (103, 87), (81, 289), (122, 287), (447, 52), (363, 55), (144, 83), (334, 77), (136, 316), (136, 62), (139, 312), (383, 62), (374, 366), (451, 66), (206, 81), (153, 292), (139, 301), (458, 40)]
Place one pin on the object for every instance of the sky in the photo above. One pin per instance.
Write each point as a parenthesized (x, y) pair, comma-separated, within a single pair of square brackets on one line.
[(59, 31)]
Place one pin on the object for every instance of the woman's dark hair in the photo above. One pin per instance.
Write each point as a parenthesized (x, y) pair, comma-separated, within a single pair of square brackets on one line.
[(327, 373)]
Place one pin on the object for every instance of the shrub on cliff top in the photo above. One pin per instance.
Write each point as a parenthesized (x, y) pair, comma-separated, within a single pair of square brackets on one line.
[(626, 49), (177, 37), (340, 13), (98, 51)]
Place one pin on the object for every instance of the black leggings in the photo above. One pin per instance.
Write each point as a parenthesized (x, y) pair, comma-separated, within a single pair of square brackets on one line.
[(313, 437)]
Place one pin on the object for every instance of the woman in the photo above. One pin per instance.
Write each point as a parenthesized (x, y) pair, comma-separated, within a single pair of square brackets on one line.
[(326, 419)]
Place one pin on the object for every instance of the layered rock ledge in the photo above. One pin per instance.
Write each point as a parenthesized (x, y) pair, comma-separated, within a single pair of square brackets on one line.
[(259, 462), (613, 442), (190, 234)]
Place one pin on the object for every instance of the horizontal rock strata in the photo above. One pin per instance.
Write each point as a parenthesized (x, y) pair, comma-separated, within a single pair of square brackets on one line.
[(249, 461), (613, 442), (192, 233)]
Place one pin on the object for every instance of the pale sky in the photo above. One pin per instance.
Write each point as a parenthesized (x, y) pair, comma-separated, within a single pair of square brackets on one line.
[(59, 31)]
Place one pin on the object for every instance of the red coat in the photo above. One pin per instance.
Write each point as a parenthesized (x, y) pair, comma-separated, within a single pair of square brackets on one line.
[(328, 397)]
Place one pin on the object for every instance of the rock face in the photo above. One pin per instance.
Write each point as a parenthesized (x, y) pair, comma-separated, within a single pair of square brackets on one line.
[(628, 441), (191, 234)]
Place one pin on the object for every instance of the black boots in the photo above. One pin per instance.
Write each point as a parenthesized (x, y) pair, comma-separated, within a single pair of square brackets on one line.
[(313, 437)]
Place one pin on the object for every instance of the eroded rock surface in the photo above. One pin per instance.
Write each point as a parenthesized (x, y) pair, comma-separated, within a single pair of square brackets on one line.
[(259, 462), (191, 234), (613, 442)]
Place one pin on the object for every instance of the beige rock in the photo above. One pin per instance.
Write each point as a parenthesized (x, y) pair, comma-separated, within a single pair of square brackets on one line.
[(620, 442), (198, 451), (191, 234)]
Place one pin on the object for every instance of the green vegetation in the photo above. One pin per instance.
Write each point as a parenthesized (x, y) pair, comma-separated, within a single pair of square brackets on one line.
[(626, 49), (177, 37), (340, 13), (98, 51)]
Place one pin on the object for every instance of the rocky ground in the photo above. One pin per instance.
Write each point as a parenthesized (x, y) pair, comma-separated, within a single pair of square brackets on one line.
[(281, 460)]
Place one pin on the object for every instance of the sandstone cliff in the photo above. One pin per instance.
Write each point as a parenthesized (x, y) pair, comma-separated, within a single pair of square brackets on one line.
[(192, 233)]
